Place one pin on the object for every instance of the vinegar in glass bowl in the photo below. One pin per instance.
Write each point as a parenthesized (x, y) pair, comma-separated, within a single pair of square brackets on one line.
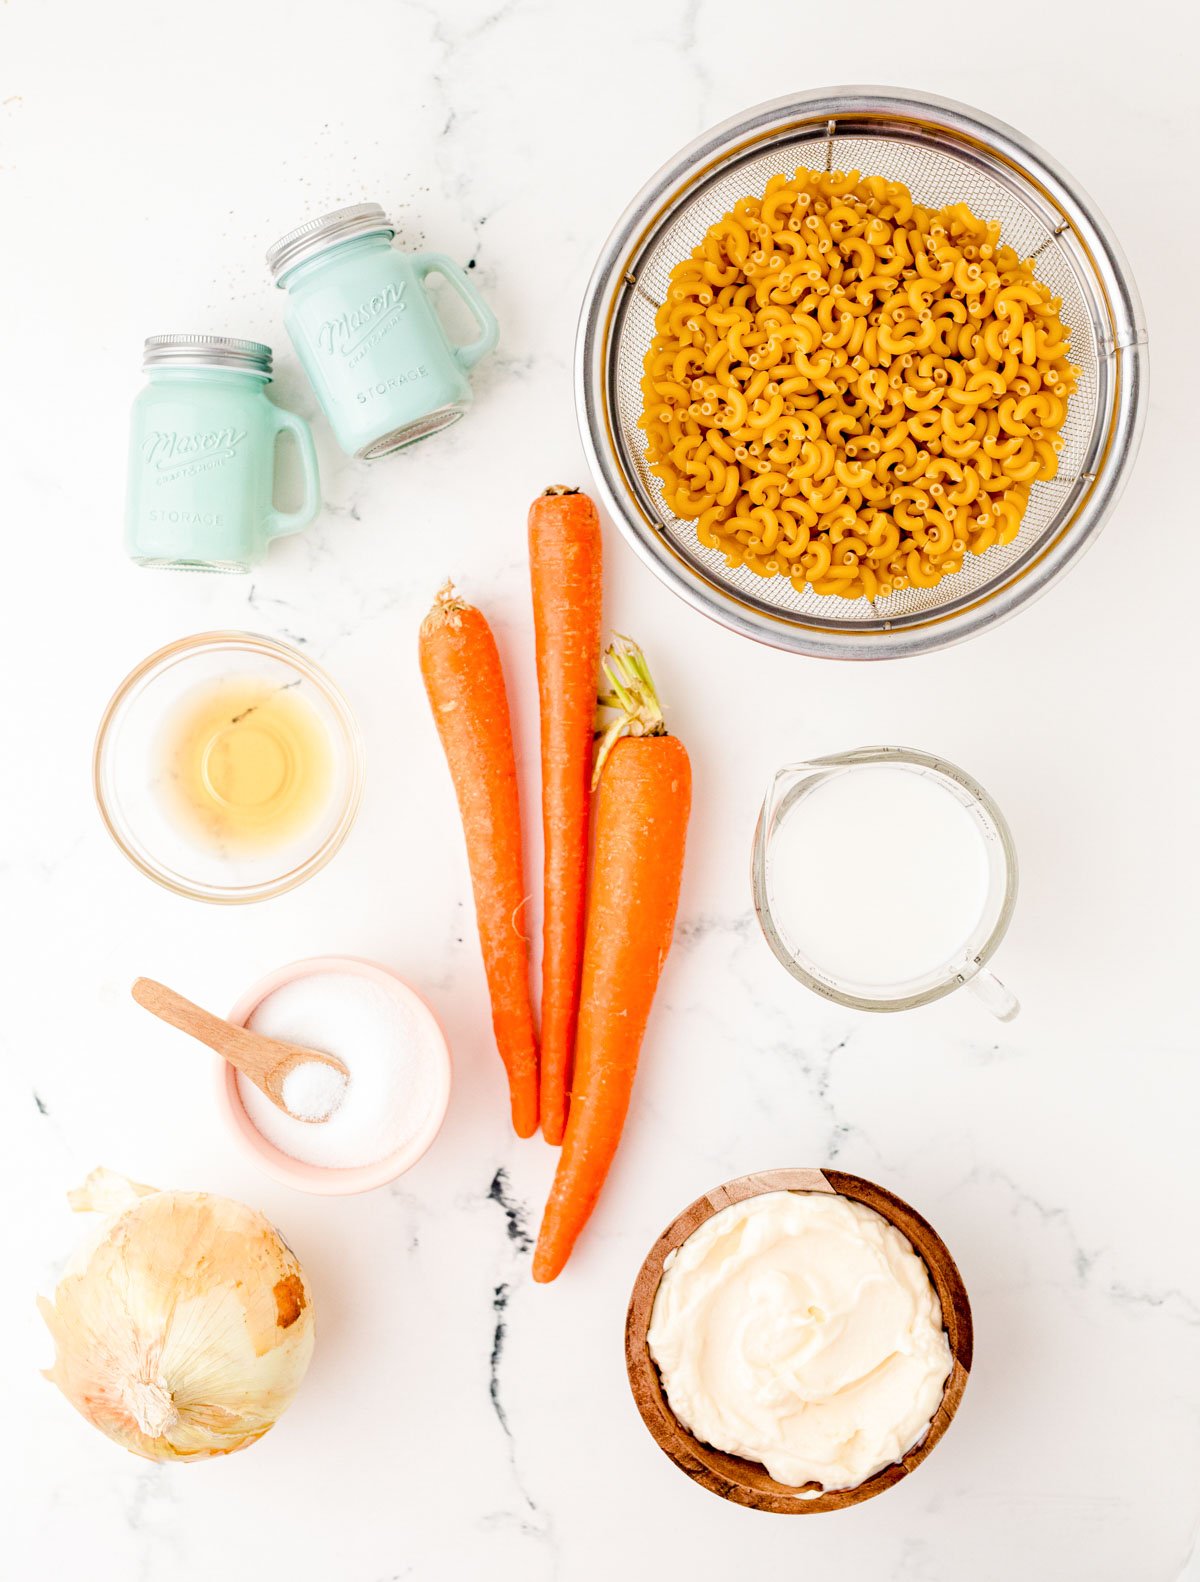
[(247, 765)]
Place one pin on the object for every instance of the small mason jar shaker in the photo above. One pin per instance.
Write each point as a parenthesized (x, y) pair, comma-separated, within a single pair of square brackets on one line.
[(202, 457), (366, 332)]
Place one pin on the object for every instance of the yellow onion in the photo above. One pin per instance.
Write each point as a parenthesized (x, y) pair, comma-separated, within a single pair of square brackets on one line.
[(183, 1326)]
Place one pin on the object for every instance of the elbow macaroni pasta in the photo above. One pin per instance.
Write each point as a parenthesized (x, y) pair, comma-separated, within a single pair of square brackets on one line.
[(852, 391)]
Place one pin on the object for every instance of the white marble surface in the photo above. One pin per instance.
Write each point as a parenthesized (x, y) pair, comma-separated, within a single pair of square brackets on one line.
[(457, 1421)]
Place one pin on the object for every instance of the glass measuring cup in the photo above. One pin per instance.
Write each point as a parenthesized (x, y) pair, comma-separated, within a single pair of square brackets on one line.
[(963, 965)]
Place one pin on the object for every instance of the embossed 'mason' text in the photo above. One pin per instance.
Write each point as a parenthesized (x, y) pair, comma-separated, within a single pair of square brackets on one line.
[(345, 332), (167, 448)]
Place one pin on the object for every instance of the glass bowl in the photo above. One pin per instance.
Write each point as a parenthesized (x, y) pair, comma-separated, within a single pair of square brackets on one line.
[(131, 782)]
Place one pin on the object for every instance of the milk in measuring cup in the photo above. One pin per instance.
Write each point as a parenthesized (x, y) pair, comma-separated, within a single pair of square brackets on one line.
[(877, 875)]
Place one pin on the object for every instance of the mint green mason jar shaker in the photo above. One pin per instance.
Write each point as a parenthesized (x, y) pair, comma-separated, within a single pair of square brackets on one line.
[(384, 369), (202, 457)]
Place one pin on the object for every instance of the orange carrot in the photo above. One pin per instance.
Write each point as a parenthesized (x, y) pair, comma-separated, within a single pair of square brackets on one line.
[(642, 803), (462, 674), (565, 561)]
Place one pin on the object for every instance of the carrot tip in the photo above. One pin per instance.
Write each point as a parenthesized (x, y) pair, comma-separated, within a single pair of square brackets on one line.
[(544, 1269)]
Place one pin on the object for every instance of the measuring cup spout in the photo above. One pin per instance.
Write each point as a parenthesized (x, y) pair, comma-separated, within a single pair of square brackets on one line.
[(783, 782)]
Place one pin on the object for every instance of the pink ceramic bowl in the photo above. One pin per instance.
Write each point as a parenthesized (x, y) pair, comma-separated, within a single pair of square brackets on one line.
[(324, 1179)]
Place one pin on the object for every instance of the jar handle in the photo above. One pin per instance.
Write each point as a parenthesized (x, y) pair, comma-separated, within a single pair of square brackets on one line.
[(489, 331), (282, 522)]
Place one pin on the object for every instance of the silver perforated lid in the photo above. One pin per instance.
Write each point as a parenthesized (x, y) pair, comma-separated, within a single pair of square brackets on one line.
[(314, 236), (206, 351)]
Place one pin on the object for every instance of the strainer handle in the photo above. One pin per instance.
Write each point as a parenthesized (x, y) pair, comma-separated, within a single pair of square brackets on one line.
[(993, 996)]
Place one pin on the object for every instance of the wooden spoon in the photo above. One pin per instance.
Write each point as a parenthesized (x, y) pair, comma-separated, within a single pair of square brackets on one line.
[(266, 1061)]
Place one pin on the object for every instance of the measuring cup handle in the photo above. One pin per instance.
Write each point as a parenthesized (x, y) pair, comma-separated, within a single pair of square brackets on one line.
[(489, 331), (281, 522), (993, 996)]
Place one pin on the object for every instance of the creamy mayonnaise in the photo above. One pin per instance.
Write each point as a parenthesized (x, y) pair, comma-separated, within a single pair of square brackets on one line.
[(801, 1330)]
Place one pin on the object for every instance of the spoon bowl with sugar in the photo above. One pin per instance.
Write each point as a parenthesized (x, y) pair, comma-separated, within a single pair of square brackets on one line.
[(305, 1083)]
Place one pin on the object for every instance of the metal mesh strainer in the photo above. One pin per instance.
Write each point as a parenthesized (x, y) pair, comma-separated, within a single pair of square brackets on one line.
[(945, 154)]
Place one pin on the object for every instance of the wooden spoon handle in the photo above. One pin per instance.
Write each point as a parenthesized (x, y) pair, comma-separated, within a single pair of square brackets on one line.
[(241, 1048)]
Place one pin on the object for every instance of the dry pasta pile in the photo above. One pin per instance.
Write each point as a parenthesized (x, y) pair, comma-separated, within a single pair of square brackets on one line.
[(852, 391)]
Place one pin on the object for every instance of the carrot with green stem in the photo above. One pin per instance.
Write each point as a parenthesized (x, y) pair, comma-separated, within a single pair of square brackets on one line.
[(643, 798), (460, 666), (565, 568)]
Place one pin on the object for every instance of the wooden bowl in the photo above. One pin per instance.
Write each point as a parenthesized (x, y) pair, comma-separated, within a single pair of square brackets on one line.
[(748, 1482)]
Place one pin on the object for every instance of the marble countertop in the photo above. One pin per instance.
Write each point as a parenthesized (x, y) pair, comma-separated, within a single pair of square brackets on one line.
[(457, 1420)]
